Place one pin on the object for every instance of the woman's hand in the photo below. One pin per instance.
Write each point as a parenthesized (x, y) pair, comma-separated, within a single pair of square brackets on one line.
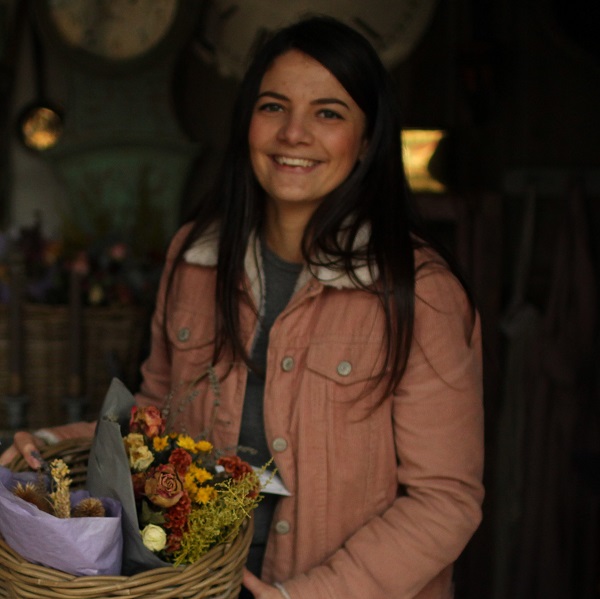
[(24, 444), (258, 588)]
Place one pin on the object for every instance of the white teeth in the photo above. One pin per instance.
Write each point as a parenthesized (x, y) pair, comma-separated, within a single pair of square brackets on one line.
[(287, 161)]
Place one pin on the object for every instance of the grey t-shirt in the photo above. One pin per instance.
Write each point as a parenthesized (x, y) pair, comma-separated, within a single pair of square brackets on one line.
[(280, 280)]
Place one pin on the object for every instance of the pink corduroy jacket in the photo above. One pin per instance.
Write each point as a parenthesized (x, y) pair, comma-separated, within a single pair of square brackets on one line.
[(384, 494)]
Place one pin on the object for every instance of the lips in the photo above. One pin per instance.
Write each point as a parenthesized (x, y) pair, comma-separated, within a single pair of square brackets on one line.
[(291, 161)]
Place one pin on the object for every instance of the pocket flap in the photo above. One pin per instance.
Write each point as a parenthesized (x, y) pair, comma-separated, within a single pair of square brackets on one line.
[(344, 363), (190, 330)]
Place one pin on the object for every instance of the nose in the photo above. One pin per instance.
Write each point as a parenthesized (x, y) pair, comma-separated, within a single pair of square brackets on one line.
[(295, 130)]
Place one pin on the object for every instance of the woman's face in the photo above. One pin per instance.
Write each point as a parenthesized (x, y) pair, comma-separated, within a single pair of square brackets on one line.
[(306, 132)]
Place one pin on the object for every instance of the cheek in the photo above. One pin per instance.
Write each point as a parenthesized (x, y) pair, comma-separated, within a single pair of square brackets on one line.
[(348, 150), (254, 143), (259, 133)]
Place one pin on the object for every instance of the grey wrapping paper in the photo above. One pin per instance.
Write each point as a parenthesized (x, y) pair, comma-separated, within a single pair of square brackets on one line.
[(78, 546), (109, 475)]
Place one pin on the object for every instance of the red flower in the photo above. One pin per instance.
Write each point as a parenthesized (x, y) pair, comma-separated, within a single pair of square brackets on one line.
[(174, 541), (176, 516), (235, 466), (176, 521), (148, 421), (181, 459), (164, 488)]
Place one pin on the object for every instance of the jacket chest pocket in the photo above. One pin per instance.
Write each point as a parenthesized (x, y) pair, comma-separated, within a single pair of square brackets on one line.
[(191, 337), (347, 369)]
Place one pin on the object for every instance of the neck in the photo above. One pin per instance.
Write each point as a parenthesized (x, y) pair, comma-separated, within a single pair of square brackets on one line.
[(283, 233)]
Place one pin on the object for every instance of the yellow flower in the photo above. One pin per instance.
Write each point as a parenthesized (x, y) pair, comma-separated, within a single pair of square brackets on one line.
[(186, 442), (205, 495), (204, 446), (196, 476), (160, 443), (200, 474)]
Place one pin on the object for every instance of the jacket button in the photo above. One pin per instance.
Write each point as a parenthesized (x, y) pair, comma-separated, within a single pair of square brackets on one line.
[(183, 334), (344, 368), (282, 527), (279, 444), (287, 364)]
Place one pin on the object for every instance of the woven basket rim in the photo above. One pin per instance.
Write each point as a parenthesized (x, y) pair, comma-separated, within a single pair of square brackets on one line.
[(217, 573)]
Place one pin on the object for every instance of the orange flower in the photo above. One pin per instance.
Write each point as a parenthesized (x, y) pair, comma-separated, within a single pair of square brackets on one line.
[(235, 466), (181, 459), (148, 421)]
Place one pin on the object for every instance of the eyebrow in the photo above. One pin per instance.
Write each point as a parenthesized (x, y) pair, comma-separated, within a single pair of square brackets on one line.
[(318, 101)]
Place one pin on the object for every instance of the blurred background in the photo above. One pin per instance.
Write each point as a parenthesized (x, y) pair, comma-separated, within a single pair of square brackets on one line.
[(113, 119)]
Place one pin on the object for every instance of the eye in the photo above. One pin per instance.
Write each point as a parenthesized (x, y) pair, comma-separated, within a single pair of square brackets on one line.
[(270, 107), (327, 113)]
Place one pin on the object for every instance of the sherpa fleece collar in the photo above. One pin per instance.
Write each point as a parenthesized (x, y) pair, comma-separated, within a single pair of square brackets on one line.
[(204, 252)]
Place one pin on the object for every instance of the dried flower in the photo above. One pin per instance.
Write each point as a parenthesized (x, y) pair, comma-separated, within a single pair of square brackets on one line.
[(148, 421), (154, 537), (60, 497), (181, 460), (235, 466), (164, 488), (89, 508), (182, 494), (34, 494)]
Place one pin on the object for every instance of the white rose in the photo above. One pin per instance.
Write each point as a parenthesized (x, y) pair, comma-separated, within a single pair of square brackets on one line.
[(154, 537)]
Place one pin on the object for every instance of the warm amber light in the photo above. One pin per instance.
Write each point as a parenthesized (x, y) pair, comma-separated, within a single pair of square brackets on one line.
[(41, 128), (418, 147)]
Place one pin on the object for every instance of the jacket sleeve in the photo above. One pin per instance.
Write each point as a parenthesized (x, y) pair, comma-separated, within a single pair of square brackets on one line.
[(437, 414), (156, 369)]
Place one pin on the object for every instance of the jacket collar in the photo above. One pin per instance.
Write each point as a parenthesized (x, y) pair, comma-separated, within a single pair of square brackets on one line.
[(204, 252)]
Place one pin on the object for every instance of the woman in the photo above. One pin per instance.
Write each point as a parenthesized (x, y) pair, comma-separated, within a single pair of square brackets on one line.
[(346, 346)]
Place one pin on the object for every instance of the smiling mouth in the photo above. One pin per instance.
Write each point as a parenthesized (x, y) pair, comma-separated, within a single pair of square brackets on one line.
[(289, 161)]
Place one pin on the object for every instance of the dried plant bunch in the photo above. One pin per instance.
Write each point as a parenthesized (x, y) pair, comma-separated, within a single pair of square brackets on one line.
[(89, 508), (36, 495), (58, 501), (60, 496)]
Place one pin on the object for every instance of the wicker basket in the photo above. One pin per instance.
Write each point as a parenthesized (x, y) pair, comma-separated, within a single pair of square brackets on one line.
[(218, 574), (113, 339)]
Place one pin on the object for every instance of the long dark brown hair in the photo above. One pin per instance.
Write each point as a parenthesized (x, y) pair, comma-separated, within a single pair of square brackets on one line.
[(375, 194)]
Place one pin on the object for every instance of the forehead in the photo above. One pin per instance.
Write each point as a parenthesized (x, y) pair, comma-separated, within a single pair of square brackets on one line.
[(297, 71)]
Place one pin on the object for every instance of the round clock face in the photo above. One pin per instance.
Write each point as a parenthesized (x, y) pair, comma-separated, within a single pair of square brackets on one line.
[(117, 30), (230, 29)]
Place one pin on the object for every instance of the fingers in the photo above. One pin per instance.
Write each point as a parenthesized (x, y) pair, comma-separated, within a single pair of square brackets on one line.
[(24, 444)]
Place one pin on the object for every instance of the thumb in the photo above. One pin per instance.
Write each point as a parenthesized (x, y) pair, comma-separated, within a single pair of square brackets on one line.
[(8, 456)]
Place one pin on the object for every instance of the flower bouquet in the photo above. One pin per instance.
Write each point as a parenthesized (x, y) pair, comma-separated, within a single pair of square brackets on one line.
[(47, 524), (180, 496)]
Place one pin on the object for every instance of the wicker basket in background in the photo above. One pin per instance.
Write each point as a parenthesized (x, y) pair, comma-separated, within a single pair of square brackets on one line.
[(217, 575), (112, 345)]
